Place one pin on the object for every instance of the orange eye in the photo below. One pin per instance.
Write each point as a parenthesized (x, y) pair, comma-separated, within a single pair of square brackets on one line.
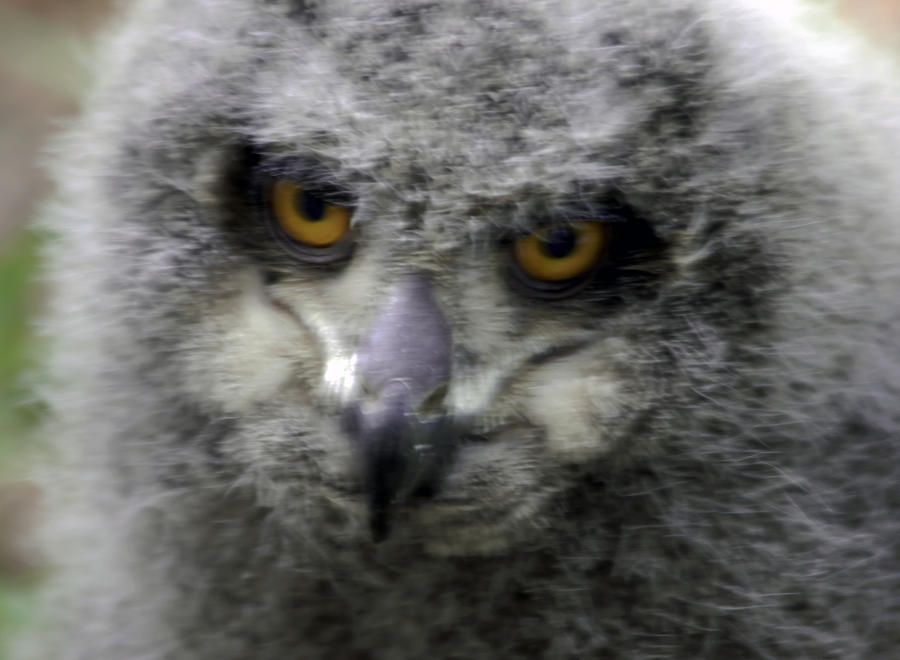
[(561, 252), (306, 217)]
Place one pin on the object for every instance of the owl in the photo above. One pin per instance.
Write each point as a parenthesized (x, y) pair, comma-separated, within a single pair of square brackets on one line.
[(481, 329)]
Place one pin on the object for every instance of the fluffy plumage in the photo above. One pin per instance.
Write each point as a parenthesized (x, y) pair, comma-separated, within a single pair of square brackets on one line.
[(694, 456)]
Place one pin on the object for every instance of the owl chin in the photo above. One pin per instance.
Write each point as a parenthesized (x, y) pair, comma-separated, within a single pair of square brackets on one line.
[(445, 532), (433, 529), (490, 498)]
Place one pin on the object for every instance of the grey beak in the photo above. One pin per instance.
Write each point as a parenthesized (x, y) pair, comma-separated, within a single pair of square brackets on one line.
[(404, 363)]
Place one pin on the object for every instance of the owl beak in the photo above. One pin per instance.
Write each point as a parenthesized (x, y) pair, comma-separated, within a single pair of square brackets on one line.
[(404, 364)]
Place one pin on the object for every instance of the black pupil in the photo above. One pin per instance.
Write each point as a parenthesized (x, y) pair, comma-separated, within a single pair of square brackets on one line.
[(560, 242), (311, 206)]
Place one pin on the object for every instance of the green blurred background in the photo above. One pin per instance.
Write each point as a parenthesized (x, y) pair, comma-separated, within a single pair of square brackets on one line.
[(44, 46)]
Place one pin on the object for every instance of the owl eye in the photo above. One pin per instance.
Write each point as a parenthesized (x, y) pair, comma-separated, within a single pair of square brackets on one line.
[(561, 253), (306, 217)]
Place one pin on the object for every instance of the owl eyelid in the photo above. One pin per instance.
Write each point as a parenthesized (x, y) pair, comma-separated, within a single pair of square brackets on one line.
[(310, 172), (561, 221), (532, 288), (610, 211), (328, 193)]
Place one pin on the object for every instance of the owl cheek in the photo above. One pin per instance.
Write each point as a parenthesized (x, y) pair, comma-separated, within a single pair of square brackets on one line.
[(246, 351), (575, 412)]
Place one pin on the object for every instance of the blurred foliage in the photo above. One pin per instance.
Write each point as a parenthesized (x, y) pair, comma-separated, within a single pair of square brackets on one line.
[(44, 52), (18, 300), (19, 411), (16, 602)]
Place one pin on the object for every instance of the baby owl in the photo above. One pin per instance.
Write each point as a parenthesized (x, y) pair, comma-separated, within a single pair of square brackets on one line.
[(483, 329)]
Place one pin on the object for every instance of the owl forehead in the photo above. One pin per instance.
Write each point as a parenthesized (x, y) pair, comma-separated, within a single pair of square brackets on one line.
[(480, 97)]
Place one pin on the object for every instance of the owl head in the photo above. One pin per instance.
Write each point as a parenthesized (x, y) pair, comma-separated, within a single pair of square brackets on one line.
[(432, 273)]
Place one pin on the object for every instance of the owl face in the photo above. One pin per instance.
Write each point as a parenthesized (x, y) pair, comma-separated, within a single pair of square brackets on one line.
[(435, 264)]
